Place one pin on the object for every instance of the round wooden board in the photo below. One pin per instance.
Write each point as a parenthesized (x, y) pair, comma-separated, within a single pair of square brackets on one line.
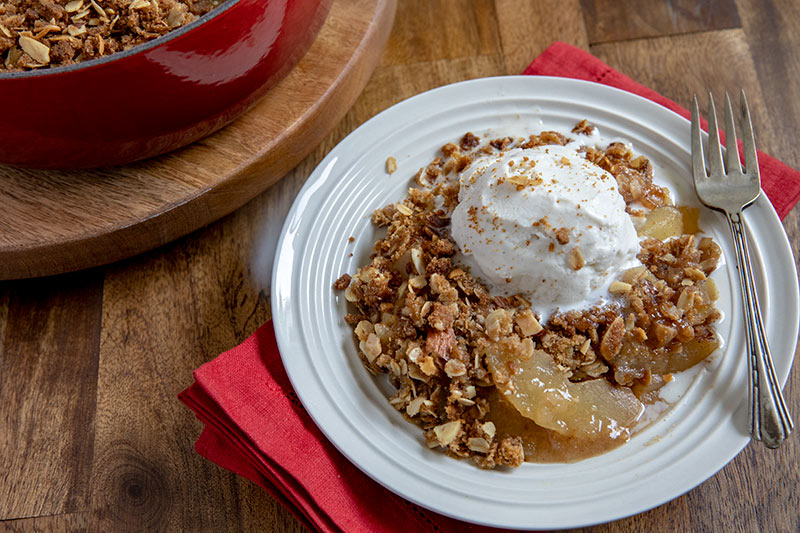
[(59, 221)]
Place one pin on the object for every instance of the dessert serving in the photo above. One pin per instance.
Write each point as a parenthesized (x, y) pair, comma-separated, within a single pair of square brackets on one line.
[(532, 295), (46, 33)]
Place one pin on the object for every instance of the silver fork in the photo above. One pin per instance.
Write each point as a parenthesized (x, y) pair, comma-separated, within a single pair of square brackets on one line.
[(731, 192)]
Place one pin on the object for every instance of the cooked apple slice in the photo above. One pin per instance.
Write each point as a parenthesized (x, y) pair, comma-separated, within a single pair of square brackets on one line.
[(667, 221), (662, 223), (542, 392), (635, 358)]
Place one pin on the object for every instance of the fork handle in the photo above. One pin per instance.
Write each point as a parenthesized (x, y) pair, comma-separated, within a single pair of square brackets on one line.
[(769, 418)]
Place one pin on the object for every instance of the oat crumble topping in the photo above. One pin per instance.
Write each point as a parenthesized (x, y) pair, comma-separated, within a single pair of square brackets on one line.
[(451, 348), (48, 33)]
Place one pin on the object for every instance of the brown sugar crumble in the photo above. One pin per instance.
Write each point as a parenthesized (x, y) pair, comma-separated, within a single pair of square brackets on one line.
[(38, 34), (562, 235), (583, 127), (438, 333), (469, 141), (342, 283)]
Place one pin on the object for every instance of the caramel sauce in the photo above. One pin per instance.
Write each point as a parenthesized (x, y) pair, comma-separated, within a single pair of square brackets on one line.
[(542, 445)]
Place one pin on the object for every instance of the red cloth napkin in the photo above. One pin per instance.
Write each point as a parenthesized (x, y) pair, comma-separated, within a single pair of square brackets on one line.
[(256, 427)]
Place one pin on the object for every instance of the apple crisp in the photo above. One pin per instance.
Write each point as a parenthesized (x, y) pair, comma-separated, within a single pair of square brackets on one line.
[(482, 374), (48, 33)]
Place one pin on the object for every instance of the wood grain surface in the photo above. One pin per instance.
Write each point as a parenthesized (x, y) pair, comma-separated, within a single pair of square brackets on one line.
[(91, 434), (60, 221)]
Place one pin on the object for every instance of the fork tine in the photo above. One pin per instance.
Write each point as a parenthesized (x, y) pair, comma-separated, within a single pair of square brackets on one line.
[(748, 142), (715, 168), (732, 163), (698, 161)]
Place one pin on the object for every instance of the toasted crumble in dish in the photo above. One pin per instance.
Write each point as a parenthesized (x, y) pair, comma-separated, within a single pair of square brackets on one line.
[(462, 360), (38, 34)]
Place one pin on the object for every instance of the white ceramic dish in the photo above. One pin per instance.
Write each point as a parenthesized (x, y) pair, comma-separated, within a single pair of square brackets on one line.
[(692, 441)]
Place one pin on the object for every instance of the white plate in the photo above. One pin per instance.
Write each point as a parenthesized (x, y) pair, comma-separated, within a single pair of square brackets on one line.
[(696, 438)]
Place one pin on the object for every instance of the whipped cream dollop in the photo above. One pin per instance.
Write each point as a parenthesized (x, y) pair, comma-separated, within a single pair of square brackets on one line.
[(546, 223)]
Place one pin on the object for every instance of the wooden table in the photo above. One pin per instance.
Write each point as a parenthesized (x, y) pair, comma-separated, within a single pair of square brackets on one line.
[(91, 434)]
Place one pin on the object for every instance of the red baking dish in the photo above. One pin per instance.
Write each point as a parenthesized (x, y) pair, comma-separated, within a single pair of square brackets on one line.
[(158, 96)]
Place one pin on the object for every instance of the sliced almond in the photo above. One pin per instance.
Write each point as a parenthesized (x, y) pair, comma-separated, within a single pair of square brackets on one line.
[(421, 178), (417, 282), (404, 209), (382, 331), (349, 295), (416, 259), (478, 444), (630, 321), (371, 347), (632, 275), (456, 272), (5, 31), (81, 14), (518, 179), (695, 274), (489, 429), (611, 343), (447, 433), (73, 6), (585, 346), (13, 57), (38, 51), (401, 290), (455, 368), (100, 11), (139, 4), (363, 329), (498, 323), (175, 17), (412, 409), (527, 323), (426, 309), (47, 29), (395, 400), (75, 31), (415, 373), (705, 243), (711, 287), (414, 354), (521, 300), (619, 287)]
